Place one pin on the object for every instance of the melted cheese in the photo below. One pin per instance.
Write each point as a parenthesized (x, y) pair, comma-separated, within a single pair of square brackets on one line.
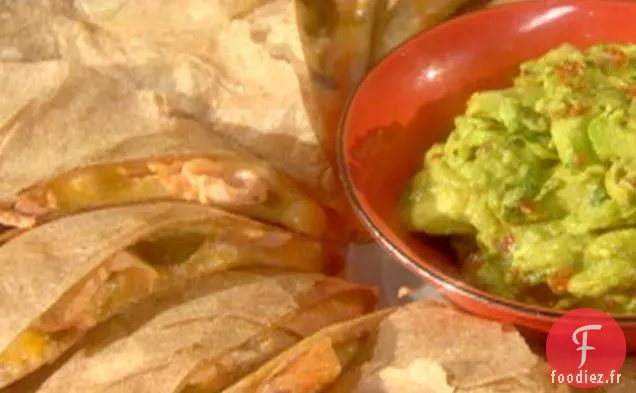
[(29, 348)]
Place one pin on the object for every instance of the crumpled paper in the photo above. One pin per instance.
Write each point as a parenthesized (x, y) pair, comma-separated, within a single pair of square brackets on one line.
[(231, 65)]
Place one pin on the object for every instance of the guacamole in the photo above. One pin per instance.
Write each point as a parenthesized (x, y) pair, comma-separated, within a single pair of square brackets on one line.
[(536, 184)]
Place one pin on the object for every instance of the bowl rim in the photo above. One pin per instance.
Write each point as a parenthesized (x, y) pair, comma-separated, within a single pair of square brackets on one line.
[(469, 291)]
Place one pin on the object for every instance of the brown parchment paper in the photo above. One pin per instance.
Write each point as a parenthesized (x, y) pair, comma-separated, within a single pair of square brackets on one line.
[(237, 66)]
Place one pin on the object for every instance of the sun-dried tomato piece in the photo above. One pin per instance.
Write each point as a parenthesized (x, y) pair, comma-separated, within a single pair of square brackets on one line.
[(568, 70), (630, 92), (617, 57), (558, 282)]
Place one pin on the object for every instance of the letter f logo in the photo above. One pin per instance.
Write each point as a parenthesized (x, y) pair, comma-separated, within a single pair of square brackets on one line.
[(583, 344)]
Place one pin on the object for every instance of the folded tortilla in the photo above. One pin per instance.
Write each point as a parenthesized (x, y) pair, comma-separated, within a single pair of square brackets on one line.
[(422, 347), (173, 158), (65, 276), (208, 336)]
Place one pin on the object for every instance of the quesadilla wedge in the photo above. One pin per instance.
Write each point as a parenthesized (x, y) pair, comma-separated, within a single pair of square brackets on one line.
[(179, 342), (90, 138), (185, 163), (65, 276), (425, 347)]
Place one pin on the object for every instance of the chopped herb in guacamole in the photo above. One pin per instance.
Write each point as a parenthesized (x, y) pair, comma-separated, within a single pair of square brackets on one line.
[(538, 183)]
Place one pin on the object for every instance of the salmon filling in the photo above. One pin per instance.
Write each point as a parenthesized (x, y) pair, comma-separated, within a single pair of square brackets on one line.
[(233, 185), (152, 264)]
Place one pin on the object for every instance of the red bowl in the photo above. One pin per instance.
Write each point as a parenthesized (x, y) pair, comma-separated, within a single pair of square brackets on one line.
[(409, 101)]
